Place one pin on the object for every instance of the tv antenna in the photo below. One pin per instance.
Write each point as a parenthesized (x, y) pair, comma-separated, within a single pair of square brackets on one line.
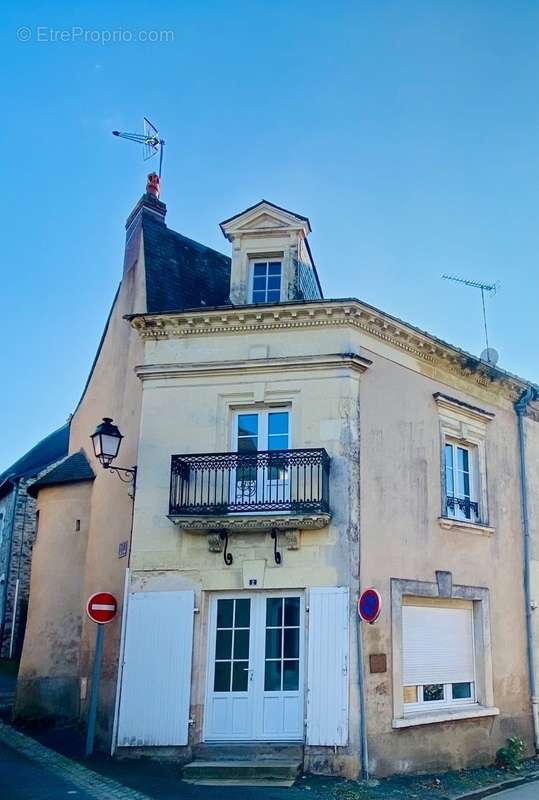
[(489, 353), (150, 141)]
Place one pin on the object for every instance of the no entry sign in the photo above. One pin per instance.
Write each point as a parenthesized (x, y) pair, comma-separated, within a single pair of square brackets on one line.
[(101, 607), (369, 605)]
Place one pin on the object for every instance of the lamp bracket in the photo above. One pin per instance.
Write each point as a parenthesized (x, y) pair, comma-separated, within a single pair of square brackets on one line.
[(125, 474)]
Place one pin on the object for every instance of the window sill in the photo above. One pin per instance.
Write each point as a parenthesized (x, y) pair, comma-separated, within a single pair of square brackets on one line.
[(445, 715), (451, 523)]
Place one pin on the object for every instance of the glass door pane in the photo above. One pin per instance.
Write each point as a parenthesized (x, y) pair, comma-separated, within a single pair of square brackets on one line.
[(232, 640), (246, 477), (278, 439), (281, 664)]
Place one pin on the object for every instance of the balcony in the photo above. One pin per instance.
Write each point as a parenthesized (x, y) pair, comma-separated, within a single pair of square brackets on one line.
[(463, 508), (259, 490)]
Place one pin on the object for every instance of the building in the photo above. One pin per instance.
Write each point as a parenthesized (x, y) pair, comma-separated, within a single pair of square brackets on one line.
[(18, 525), (290, 450)]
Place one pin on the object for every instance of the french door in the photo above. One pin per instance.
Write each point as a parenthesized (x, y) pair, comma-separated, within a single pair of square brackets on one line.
[(260, 480), (255, 670)]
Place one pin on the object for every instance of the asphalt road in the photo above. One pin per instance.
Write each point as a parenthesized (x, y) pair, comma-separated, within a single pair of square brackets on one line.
[(23, 779), (529, 791)]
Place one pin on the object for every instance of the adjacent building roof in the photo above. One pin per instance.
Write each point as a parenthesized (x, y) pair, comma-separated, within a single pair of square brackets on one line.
[(73, 469), (181, 273), (50, 449)]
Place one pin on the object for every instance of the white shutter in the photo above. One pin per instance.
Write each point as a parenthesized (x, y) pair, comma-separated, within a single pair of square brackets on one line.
[(327, 674), (437, 645), (156, 680)]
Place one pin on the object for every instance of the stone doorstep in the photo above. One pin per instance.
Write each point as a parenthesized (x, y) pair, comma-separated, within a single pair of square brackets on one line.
[(248, 751), (247, 772), (495, 788)]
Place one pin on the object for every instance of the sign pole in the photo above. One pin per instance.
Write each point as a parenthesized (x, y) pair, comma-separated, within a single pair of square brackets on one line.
[(362, 708), (94, 690), (369, 607)]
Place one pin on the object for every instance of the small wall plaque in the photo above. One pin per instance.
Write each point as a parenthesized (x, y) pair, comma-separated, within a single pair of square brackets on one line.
[(378, 662), (123, 547)]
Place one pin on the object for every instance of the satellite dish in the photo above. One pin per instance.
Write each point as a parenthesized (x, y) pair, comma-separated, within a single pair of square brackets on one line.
[(490, 355)]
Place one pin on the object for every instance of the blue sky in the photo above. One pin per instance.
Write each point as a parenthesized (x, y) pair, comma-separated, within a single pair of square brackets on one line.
[(407, 130)]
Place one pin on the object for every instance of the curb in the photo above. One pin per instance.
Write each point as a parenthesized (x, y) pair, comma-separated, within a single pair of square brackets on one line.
[(495, 788), (97, 786)]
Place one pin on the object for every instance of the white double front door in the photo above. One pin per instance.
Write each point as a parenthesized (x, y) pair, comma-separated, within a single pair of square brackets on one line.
[(255, 672)]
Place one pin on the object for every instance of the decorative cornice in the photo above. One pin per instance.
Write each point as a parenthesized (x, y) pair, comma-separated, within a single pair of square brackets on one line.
[(252, 522), (199, 369), (463, 409), (323, 314)]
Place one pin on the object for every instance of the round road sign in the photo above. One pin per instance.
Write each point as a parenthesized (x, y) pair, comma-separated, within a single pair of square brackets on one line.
[(101, 607), (369, 605)]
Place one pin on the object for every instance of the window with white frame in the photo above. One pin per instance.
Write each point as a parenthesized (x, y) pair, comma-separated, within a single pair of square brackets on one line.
[(438, 657), (463, 429), (461, 475), (266, 281)]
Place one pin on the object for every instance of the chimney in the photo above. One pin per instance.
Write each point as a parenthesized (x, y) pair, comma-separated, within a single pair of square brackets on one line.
[(150, 208)]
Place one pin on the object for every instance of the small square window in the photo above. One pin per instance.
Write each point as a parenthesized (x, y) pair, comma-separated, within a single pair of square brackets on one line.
[(266, 282)]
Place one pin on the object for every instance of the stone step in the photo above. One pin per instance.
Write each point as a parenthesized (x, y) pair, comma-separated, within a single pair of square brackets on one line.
[(248, 772), (245, 751)]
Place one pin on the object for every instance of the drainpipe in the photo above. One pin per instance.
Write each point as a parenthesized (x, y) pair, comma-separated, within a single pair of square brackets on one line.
[(520, 408)]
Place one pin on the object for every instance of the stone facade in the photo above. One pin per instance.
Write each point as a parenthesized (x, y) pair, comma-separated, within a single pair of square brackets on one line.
[(18, 528)]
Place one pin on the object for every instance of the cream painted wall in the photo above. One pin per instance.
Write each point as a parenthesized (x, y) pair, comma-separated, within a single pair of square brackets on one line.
[(192, 414), (531, 433), (401, 538), (49, 671), (114, 391), (186, 409)]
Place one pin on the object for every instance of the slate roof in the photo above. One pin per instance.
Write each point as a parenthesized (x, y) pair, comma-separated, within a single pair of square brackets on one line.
[(181, 273), (50, 449), (72, 469)]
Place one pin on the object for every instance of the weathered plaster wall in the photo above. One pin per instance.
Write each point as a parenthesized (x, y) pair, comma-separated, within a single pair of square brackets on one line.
[(49, 671), (400, 505), (401, 538), (114, 391), (531, 433), (192, 414)]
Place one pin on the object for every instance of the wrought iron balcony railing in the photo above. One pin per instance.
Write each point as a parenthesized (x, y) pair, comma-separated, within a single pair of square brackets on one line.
[(293, 481), (464, 505)]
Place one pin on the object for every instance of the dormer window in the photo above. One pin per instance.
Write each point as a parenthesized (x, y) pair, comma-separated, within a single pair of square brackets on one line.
[(266, 281), (271, 258)]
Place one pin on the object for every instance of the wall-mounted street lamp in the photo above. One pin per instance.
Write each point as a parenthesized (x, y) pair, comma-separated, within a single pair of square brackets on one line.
[(106, 441)]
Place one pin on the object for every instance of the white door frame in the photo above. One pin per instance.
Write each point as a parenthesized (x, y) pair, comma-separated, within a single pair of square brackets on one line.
[(257, 651)]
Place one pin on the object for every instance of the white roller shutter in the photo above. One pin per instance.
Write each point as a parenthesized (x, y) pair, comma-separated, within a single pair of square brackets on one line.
[(437, 645), (156, 680), (327, 674)]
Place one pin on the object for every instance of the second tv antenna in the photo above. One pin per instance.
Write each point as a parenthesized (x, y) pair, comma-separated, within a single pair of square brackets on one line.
[(489, 353), (150, 140)]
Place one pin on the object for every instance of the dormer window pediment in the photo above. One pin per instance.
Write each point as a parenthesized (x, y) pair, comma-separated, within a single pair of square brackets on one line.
[(269, 247)]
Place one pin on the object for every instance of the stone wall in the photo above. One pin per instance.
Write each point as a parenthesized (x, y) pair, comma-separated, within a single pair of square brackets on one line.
[(16, 546)]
